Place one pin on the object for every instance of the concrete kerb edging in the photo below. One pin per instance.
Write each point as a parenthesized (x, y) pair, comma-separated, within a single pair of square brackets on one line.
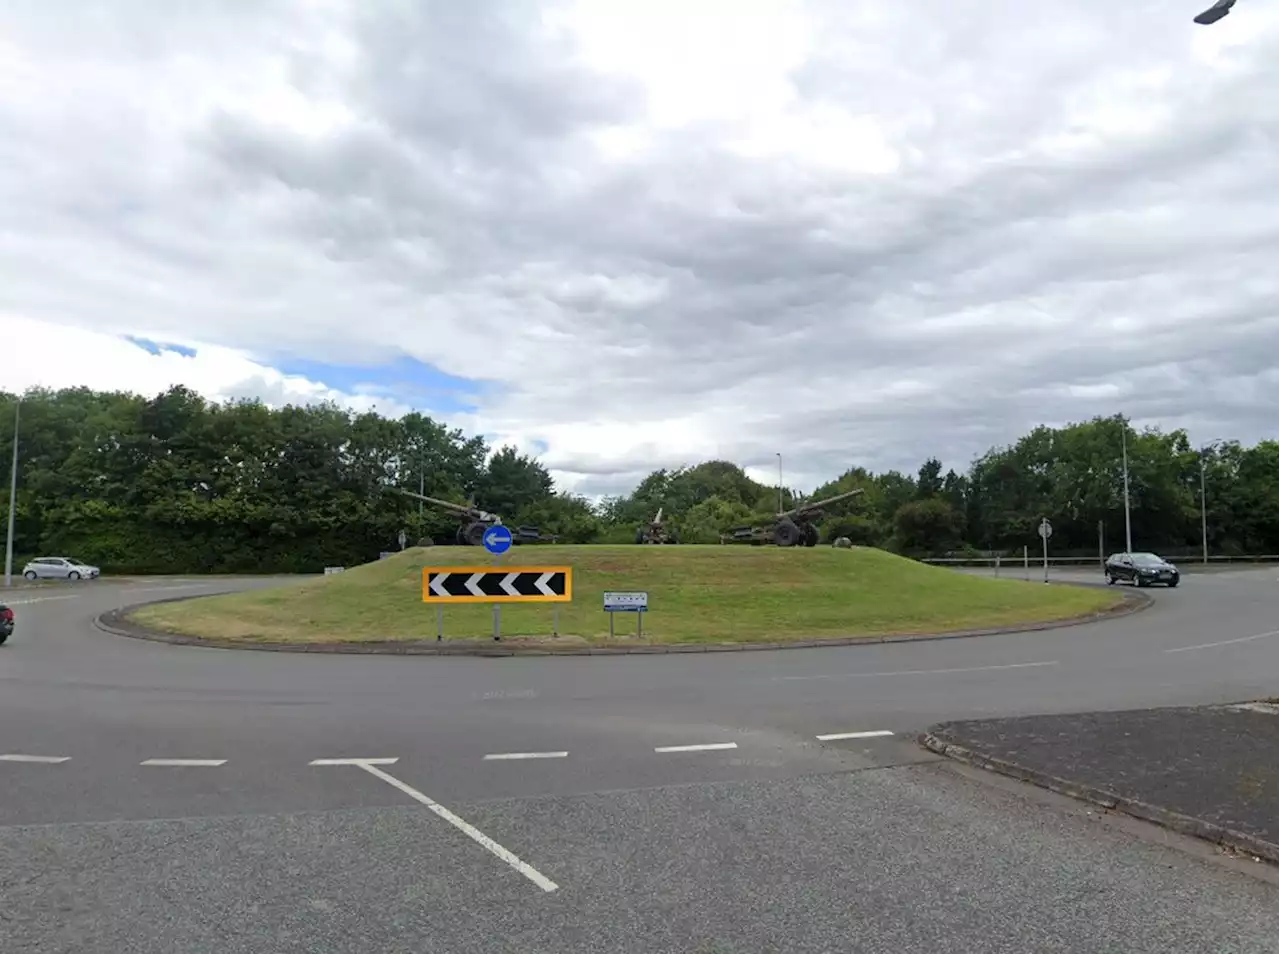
[(116, 623), (1174, 821)]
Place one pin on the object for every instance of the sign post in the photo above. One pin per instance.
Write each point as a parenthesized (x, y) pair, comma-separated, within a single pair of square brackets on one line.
[(443, 585), (1046, 531), (402, 538), (637, 603), (497, 540)]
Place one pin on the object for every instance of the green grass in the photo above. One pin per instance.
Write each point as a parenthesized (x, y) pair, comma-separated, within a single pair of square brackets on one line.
[(696, 594)]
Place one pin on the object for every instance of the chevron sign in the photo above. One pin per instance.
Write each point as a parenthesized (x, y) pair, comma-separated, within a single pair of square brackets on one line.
[(487, 584)]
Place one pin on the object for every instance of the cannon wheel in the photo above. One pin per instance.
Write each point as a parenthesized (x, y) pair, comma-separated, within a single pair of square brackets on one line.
[(810, 535), (786, 534), (474, 534), (640, 535)]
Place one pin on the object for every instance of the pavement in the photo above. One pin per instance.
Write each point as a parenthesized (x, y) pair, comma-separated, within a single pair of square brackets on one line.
[(752, 802), (1209, 771)]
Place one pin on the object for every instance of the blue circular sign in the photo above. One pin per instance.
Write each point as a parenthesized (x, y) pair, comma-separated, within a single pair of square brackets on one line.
[(497, 539)]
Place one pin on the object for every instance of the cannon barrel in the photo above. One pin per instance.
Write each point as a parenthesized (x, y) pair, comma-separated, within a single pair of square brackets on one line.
[(807, 506), (474, 512), (658, 518)]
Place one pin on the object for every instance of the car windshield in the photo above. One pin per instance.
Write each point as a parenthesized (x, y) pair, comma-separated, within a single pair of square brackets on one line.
[(76, 562), (1146, 559)]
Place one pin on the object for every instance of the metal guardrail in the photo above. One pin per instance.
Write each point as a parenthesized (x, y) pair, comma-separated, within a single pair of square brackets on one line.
[(1037, 560)]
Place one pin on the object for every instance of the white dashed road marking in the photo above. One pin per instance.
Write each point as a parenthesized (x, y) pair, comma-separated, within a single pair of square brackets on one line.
[(1223, 642), (836, 736), (512, 756), (39, 599), (202, 763), (479, 837), (705, 747), (50, 759), (922, 672), (353, 762)]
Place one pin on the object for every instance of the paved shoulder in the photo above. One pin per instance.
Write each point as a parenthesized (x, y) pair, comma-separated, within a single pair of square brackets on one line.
[(1204, 770)]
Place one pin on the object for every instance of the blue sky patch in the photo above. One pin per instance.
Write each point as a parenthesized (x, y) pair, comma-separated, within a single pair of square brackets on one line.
[(407, 380), (159, 347)]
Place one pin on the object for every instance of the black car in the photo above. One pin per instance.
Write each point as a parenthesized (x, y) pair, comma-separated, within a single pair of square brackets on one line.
[(6, 623), (1140, 569)]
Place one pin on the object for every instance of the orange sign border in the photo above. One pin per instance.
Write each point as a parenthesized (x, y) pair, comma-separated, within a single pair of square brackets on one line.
[(429, 597)]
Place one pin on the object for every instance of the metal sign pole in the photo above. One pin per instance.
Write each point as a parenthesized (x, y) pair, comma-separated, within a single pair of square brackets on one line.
[(497, 540), (439, 623), (1046, 531), (639, 625), (611, 625)]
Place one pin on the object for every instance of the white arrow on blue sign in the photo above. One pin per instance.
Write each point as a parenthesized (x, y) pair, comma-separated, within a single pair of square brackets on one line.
[(497, 539)]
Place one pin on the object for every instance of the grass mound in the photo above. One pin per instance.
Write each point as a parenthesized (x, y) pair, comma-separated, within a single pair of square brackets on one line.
[(711, 594)]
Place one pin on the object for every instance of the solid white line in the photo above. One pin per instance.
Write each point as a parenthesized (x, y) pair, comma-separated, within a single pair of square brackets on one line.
[(1224, 642), (923, 672), (353, 762), (51, 759), (705, 747), (41, 599), (205, 763), (874, 733), (479, 837), (526, 755)]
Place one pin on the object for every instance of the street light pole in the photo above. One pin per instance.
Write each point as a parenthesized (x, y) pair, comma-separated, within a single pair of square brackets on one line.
[(1204, 516), (1124, 454), (13, 497), (779, 456)]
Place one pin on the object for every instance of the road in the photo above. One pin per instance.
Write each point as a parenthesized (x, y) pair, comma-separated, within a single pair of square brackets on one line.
[(640, 803)]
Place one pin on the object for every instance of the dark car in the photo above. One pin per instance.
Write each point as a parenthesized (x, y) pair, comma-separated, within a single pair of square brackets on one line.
[(6, 623), (1140, 569)]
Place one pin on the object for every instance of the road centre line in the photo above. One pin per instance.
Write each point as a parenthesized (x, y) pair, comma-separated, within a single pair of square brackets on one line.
[(479, 837), (704, 747), (173, 763), (40, 599), (1223, 642), (835, 736), (922, 672), (49, 759), (511, 756)]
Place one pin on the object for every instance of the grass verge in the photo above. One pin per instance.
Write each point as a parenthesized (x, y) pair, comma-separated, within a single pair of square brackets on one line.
[(697, 594)]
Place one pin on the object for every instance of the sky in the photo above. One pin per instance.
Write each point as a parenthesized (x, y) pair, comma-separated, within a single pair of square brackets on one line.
[(626, 235)]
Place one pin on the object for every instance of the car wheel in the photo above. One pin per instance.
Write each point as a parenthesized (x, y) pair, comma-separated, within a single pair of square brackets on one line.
[(1137, 581), (30, 575), (1111, 580), (73, 575), (1172, 584)]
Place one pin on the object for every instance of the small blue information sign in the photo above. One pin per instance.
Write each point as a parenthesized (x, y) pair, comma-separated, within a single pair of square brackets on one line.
[(497, 539)]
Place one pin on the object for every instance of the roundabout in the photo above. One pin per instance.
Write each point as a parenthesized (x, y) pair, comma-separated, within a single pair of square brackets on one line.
[(570, 765)]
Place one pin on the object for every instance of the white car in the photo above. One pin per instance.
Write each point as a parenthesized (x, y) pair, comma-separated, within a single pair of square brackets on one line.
[(59, 568)]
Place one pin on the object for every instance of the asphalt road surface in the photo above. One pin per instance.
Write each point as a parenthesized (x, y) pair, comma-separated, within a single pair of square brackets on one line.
[(166, 798)]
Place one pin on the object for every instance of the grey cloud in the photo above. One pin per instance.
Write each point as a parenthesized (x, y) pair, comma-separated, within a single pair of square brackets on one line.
[(465, 218)]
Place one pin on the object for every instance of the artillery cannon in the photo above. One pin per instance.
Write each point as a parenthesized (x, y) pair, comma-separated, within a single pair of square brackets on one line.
[(473, 522), (656, 532), (794, 527)]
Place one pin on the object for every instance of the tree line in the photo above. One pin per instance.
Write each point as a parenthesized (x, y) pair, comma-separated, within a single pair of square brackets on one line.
[(178, 484)]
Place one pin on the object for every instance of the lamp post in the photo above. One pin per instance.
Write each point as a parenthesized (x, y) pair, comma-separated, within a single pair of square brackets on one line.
[(1124, 457), (13, 497), (1204, 510), (779, 456)]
